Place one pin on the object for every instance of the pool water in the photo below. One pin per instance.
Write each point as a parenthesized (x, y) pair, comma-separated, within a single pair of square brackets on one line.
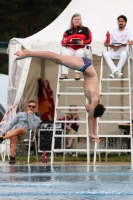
[(66, 182)]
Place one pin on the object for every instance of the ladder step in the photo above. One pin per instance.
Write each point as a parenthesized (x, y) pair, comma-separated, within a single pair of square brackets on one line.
[(117, 107), (71, 88), (76, 135), (71, 79), (65, 112), (71, 93), (120, 88), (113, 150), (112, 121), (70, 121), (108, 79), (59, 150), (69, 107), (70, 150), (115, 136), (114, 93)]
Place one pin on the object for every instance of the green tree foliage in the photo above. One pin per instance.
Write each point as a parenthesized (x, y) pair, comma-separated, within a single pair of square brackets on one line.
[(3, 64), (22, 18)]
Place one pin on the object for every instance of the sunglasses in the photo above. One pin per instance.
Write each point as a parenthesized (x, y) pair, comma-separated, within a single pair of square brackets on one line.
[(31, 106)]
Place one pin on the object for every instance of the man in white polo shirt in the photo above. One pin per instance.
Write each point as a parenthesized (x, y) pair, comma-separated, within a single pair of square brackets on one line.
[(119, 38)]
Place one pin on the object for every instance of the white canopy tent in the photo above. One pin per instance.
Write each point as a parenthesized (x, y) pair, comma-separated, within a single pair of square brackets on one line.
[(99, 16)]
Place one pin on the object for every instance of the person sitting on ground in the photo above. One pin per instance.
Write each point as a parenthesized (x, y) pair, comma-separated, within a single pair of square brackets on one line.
[(90, 84), (119, 38), (74, 47), (72, 128), (22, 122)]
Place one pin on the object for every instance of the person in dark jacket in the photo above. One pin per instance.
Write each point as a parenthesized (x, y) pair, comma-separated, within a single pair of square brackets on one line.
[(72, 128), (22, 122), (74, 39)]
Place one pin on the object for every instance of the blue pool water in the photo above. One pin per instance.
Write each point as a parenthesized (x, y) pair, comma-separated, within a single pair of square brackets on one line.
[(66, 182)]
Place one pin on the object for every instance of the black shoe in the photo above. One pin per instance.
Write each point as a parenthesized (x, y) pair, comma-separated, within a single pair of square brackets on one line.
[(68, 153), (77, 79), (68, 147), (1, 140), (74, 154), (12, 160), (63, 78)]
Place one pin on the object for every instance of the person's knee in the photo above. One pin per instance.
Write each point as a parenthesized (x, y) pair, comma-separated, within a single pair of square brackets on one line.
[(64, 53), (124, 54), (68, 52), (21, 130), (106, 55), (80, 53)]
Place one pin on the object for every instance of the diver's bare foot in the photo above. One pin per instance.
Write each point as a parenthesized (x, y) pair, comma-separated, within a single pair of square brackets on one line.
[(95, 138), (22, 54)]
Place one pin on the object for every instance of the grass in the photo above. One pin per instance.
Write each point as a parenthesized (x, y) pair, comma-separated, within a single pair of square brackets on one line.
[(80, 158), (116, 158)]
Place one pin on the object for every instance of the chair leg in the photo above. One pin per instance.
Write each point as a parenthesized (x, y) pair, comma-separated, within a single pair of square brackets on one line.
[(8, 152), (7, 149), (3, 152), (29, 145), (3, 156), (36, 147)]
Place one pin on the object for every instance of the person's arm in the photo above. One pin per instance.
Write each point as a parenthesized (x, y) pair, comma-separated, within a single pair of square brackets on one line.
[(33, 121), (68, 127), (75, 125), (11, 124), (88, 37), (130, 39), (113, 46), (130, 42), (63, 118), (64, 39), (92, 122)]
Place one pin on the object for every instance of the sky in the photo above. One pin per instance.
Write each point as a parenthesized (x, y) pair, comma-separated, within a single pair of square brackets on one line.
[(3, 90)]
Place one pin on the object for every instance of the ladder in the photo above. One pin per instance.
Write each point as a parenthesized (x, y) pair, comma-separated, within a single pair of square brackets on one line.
[(121, 110), (68, 93)]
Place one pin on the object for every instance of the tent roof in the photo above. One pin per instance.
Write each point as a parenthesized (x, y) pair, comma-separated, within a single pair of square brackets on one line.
[(99, 16)]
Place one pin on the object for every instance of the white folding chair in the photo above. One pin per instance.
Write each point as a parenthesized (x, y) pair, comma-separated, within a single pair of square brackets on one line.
[(30, 138), (34, 141), (4, 148)]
